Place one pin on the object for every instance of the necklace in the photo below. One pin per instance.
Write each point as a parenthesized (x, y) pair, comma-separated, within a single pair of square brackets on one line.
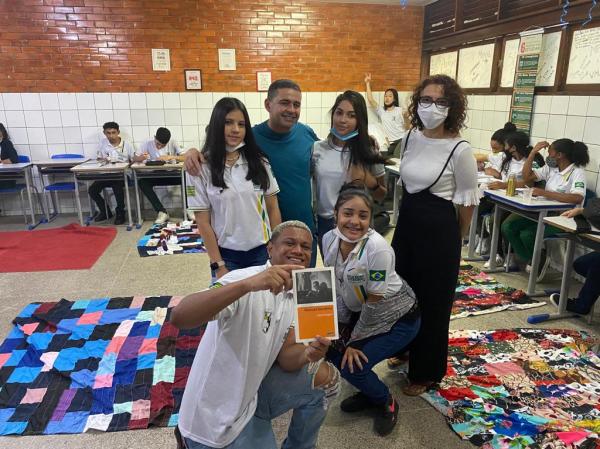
[(230, 160)]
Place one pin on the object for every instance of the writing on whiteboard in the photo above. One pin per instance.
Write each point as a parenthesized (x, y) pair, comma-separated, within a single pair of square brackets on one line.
[(475, 66), (443, 64), (584, 63), (548, 59)]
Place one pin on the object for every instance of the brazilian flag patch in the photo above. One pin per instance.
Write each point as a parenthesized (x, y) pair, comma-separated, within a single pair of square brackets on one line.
[(190, 190), (216, 285), (377, 275), (579, 184)]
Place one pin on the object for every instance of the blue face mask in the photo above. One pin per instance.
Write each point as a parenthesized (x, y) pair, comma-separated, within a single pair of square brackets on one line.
[(551, 162), (345, 137)]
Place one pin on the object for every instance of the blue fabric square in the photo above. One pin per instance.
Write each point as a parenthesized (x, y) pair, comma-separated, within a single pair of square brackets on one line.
[(15, 357), (82, 332), (10, 344), (24, 374), (153, 331), (83, 378), (139, 329), (80, 304), (95, 348), (103, 400), (12, 428), (40, 340), (124, 371), (97, 305), (67, 325), (31, 358), (117, 316), (145, 361), (72, 422), (16, 332)]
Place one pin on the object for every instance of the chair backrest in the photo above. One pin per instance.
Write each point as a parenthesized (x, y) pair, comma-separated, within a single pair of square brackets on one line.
[(23, 159), (589, 194), (67, 156)]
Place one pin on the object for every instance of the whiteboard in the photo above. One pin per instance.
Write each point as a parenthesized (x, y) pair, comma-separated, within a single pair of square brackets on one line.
[(584, 62), (509, 63), (443, 64), (475, 66), (548, 59)]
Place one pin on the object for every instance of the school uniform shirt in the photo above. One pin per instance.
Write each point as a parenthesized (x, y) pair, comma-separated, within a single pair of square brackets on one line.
[(330, 165), (570, 180), (149, 146), (238, 214), (236, 352), (368, 269), (495, 160), (515, 167), (7, 151), (392, 122), (124, 150), (423, 161)]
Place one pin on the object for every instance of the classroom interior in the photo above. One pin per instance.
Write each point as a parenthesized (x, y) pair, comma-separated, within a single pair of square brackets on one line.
[(71, 65)]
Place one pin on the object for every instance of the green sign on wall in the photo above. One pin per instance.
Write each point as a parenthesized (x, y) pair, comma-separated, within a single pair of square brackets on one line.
[(525, 80), (528, 62), (523, 99), (521, 117)]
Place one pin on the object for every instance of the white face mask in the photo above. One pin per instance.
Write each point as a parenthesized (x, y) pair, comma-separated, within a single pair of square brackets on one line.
[(338, 233), (433, 116), (232, 149)]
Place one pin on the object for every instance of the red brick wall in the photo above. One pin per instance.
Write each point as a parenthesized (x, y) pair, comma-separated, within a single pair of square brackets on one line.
[(105, 45)]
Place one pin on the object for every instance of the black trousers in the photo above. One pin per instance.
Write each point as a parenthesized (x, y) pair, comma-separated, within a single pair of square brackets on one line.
[(147, 186), (427, 246), (118, 189)]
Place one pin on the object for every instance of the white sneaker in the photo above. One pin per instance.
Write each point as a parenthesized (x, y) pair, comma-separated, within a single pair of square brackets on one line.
[(528, 268), (161, 218), (191, 215), (499, 262)]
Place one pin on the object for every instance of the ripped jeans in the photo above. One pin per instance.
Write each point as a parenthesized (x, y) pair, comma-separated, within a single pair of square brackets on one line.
[(279, 392)]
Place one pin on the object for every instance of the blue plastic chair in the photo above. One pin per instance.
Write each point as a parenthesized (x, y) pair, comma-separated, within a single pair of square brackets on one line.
[(56, 187), (20, 188)]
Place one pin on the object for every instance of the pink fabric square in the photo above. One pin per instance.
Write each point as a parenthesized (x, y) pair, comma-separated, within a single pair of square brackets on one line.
[(148, 346), (141, 409), (104, 380), (572, 437), (175, 300), (115, 345), (90, 318), (503, 368), (34, 395), (3, 359), (137, 302), (30, 328)]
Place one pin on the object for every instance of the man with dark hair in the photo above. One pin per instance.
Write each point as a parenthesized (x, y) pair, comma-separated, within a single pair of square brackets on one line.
[(161, 147), (288, 145), (113, 149)]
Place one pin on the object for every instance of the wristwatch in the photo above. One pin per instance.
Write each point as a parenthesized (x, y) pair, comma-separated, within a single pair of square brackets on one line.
[(216, 265)]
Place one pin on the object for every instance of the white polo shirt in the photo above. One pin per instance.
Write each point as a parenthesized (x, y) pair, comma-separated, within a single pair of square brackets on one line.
[(515, 167), (235, 354), (149, 146), (124, 150), (370, 268), (330, 169), (238, 214), (570, 180), (392, 122)]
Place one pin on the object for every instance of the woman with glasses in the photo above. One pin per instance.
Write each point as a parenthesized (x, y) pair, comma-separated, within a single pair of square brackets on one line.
[(439, 178)]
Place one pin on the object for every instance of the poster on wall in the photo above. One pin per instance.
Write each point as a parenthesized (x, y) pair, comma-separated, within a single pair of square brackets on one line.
[(263, 81), (161, 60), (227, 59), (193, 79)]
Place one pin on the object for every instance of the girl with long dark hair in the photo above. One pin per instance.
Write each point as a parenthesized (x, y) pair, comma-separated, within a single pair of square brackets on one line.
[(235, 195)]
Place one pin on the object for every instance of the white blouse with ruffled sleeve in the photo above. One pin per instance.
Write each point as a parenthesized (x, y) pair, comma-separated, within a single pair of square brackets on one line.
[(423, 160)]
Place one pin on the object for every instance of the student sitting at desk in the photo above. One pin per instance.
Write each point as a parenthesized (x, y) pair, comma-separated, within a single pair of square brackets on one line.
[(8, 155), (565, 182), (497, 145), (587, 266), (113, 149), (162, 146)]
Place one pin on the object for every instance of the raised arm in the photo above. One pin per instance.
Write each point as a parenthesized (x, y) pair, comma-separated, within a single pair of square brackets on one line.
[(370, 98), (528, 173)]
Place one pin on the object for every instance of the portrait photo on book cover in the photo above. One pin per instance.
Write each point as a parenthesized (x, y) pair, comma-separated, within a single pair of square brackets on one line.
[(313, 286)]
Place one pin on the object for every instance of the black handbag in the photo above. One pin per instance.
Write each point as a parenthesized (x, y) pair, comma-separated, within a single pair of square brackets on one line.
[(590, 217)]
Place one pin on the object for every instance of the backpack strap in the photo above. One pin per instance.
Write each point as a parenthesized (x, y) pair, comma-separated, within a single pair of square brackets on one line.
[(446, 164)]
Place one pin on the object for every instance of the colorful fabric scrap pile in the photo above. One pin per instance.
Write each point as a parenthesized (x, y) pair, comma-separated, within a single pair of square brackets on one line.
[(106, 364), (478, 294), (171, 238), (522, 388)]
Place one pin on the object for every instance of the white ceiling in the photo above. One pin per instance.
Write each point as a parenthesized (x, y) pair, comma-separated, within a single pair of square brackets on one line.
[(380, 2)]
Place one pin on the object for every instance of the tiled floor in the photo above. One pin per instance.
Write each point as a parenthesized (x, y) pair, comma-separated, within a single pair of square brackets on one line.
[(120, 271)]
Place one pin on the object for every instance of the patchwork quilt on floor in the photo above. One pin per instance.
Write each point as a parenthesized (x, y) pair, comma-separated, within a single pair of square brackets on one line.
[(478, 293), (171, 238), (522, 388), (105, 364)]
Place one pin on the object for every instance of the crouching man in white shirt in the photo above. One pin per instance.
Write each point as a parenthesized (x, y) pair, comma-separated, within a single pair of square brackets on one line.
[(248, 368)]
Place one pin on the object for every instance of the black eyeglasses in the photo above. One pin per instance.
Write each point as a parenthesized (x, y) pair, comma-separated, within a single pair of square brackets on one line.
[(428, 101)]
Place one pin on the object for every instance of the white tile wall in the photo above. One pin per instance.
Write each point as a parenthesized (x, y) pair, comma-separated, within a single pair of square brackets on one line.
[(554, 117)]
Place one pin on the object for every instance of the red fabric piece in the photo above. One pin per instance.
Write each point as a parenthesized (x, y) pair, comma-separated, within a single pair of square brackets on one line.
[(485, 381), (455, 393), (463, 341), (71, 247), (505, 335), (550, 382)]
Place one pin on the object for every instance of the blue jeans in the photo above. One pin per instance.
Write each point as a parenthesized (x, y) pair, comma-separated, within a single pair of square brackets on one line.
[(280, 392), (324, 225), (588, 266), (235, 260), (377, 348)]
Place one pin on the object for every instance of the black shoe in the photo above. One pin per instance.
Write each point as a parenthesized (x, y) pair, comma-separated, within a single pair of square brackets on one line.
[(356, 403), (572, 305), (386, 421), (119, 218), (101, 216)]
